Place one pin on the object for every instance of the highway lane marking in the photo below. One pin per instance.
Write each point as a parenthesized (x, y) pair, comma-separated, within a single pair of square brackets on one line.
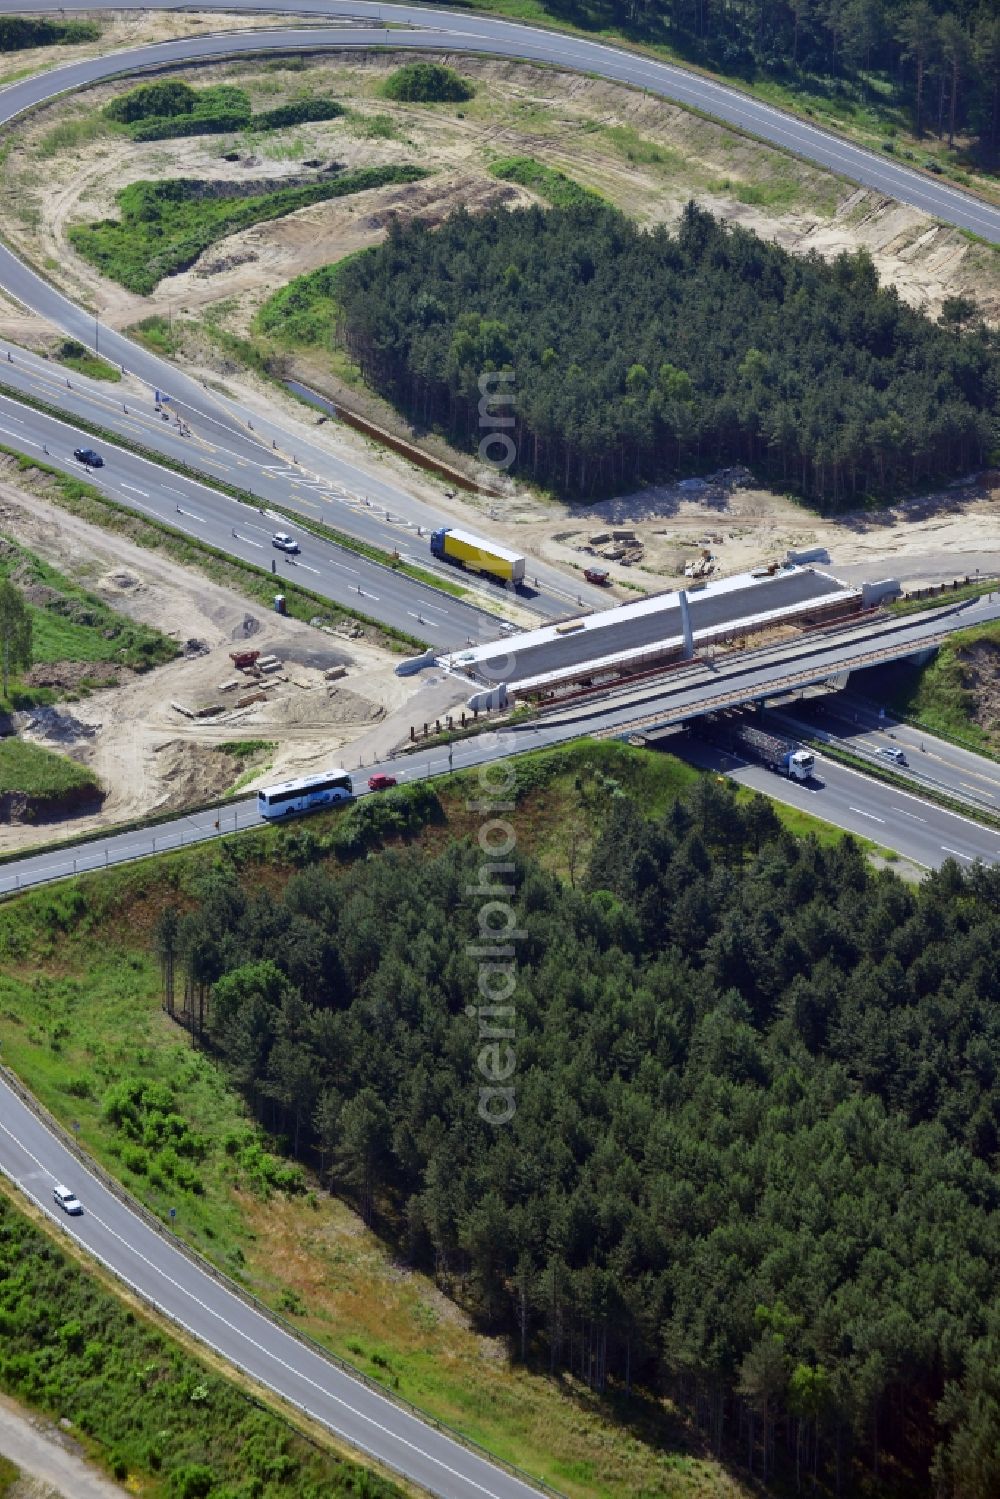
[(20, 437), (911, 815), (191, 515), (911, 796), (957, 852), (132, 489), (308, 568), (238, 1332), (249, 541), (420, 619), (862, 813)]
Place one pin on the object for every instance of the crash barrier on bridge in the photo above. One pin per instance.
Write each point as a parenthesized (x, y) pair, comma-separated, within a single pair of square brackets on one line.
[(771, 689), (413, 664), (115, 1187)]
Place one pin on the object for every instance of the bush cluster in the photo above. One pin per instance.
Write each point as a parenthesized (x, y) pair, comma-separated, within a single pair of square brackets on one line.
[(426, 83), (161, 111)]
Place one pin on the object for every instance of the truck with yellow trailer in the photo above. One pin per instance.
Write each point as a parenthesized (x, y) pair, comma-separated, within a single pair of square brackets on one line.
[(477, 555)]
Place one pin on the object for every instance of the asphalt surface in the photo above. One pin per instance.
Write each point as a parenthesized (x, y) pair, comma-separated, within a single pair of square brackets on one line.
[(33, 1157), (446, 30), (636, 628), (242, 531), (898, 820), (683, 696), (863, 726)]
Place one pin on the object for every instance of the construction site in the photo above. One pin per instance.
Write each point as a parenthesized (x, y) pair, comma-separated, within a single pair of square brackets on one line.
[(633, 639)]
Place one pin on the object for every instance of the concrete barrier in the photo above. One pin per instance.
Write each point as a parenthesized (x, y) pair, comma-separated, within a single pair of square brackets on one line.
[(877, 593), (413, 664), (494, 697)]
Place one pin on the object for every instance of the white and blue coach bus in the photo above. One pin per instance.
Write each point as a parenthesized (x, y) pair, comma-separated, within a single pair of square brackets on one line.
[(306, 794)]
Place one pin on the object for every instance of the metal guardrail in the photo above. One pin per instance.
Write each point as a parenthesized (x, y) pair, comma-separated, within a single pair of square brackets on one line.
[(115, 1187), (712, 703)]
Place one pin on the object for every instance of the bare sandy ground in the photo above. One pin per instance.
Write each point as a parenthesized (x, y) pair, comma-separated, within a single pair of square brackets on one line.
[(49, 1460), (645, 155), (149, 755)]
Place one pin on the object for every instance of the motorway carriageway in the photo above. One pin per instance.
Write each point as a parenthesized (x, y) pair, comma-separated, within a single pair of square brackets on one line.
[(856, 723), (241, 531), (295, 473), (920, 831)]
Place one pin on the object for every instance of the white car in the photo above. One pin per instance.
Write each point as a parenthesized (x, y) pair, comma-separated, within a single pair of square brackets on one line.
[(284, 542), (506, 628), (69, 1204), (895, 755)]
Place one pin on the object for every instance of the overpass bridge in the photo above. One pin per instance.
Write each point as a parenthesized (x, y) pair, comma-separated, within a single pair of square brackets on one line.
[(686, 693)]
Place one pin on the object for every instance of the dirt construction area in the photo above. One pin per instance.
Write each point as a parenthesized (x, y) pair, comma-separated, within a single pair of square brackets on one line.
[(646, 156), (193, 729)]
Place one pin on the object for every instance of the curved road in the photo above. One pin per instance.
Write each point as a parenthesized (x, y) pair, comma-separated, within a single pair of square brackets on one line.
[(35, 1158), (458, 31), (29, 1153)]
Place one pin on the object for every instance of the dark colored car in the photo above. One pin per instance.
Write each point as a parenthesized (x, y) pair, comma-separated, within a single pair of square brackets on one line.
[(89, 457), (380, 782)]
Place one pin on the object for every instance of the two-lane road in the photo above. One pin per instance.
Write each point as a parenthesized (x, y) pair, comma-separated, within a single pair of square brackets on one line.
[(36, 1159), (442, 30)]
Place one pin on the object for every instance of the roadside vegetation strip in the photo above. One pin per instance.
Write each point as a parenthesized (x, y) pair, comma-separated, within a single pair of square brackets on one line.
[(164, 226), (144, 1406), (939, 596), (252, 581), (17, 33), (245, 496), (76, 356), (942, 696)]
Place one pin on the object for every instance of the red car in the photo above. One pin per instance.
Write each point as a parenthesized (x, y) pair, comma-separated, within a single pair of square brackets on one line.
[(380, 782)]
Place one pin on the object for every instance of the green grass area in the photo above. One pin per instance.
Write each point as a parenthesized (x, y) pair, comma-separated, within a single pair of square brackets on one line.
[(942, 696), (69, 624), (81, 1022), (165, 226), (158, 334), (76, 356), (170, 108), (640, 151), (252, 756), (41, 774), (70, 135), (914, 603), (426, 83), (155, 1417), (549, 183)]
